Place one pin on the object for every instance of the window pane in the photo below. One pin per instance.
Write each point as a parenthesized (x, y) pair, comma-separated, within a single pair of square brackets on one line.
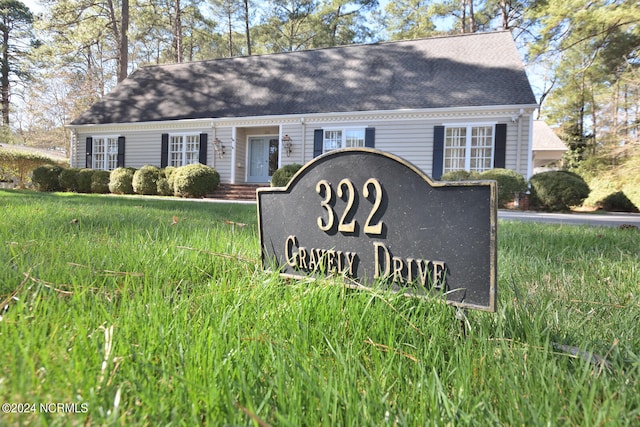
[(98, 153), (454, 149), (332, 140), (481, 148), (354, 138), (175, 151), (112, 153), (193, 149)]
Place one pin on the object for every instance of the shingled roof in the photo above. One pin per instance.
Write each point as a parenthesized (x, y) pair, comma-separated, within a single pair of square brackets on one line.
[(482, 69)]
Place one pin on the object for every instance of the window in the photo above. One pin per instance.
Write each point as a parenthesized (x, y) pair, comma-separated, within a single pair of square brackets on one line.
[(184, 149), (105, 152), (468, 148), (343, 138)]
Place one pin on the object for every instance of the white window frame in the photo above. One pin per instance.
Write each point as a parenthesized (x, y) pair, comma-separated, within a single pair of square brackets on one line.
[(467, 159), (104, 152), (343, 139), (182, 150)]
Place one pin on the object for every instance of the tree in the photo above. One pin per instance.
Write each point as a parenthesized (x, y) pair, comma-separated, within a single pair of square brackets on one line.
[(16, 31), (596, 47)]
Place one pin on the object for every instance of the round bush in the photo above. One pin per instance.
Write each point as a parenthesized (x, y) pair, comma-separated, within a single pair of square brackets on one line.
[(46, 178), (195, 180), (510, 184), (145, 180), (460, 175), (69, 179), (558, 190), (282, 176), (85, 176), (617, 202), (164, 189), (121, 181), (100, 182)]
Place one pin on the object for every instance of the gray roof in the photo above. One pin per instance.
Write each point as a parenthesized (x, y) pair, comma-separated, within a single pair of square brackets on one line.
[(544, 138), (481, 69)]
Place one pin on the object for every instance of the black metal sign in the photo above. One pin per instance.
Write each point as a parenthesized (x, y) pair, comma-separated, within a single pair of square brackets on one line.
[(375, 219)]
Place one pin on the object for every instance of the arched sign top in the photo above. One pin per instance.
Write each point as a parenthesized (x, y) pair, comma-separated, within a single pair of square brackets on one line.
[(375, 218)]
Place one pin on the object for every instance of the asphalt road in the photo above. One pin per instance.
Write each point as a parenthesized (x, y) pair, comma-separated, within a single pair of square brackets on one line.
[(599, 219)]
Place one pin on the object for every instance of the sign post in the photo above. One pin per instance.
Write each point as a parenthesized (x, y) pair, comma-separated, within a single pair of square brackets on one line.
[(375, 219)]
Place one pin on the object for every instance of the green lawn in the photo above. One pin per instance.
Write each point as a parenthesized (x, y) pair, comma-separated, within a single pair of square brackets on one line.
[(156, 312)]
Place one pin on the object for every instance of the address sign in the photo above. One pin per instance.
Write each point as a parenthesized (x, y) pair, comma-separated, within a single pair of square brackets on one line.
[(375, 219)]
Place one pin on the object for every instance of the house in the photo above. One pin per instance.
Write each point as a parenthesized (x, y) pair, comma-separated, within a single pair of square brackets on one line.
[(547, 147), (444, 103)]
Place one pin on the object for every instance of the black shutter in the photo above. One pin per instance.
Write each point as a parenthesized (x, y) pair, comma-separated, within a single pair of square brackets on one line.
[(438, 151), (318, 142), (89, 149), (202, 158), (500, 153), (120, 163), (370, 137), (164, 151)]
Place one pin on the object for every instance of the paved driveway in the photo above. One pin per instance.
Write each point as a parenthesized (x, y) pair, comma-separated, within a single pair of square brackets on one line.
[(599, 219)]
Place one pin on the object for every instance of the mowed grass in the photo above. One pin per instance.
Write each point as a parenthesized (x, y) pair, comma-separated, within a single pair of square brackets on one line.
[(156, 312)]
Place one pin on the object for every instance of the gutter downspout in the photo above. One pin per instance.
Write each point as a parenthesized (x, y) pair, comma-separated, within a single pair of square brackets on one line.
[(304, 138), (530, 150), (233, 154)]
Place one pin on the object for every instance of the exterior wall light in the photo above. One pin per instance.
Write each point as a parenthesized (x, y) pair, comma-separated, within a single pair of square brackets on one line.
[(219, 147), (287, 143)]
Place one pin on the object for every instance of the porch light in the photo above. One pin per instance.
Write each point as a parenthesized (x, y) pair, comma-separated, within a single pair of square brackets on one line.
[(287, 143), (219, 147)]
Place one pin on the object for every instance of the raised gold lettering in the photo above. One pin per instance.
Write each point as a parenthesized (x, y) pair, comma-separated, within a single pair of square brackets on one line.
[(382, 264), (439, 274), (351, 194), (374, 229), (423, 271), (292, 257), (350, 257), (328, 196), (398, 267), (302, 258)]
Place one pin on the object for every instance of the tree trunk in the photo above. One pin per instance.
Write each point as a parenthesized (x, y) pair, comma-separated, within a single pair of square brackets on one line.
[(4, 77), (177, 32), (124, 42), (246, 26), (229, 18)]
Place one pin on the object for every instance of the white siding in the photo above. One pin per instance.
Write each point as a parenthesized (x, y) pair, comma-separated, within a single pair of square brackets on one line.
[(406, 134)]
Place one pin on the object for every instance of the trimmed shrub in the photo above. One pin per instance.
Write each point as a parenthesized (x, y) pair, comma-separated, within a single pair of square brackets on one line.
[(46, 178), (164, 189), (282, 176), (617, 202), (558, 190), (69, 179), (145, 180), (20, 165), (460, 175), (195, 180), (121, 181), (85, 176), (169, 174), (510, 184), (100, 182)]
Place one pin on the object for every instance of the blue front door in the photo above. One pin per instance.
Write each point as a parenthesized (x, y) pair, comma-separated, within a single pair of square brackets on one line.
[(263, 158)]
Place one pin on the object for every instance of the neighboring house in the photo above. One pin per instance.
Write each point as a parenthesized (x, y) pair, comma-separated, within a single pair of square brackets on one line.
[(445, 103), (547, 146)]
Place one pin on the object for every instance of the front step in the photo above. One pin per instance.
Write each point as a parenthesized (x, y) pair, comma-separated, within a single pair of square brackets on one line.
[(237, 191)]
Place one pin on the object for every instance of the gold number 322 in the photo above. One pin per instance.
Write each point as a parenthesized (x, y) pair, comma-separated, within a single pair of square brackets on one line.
[(346, 188)]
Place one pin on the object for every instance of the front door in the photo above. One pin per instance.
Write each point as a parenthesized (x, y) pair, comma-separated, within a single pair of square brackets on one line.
[(263, 158)]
